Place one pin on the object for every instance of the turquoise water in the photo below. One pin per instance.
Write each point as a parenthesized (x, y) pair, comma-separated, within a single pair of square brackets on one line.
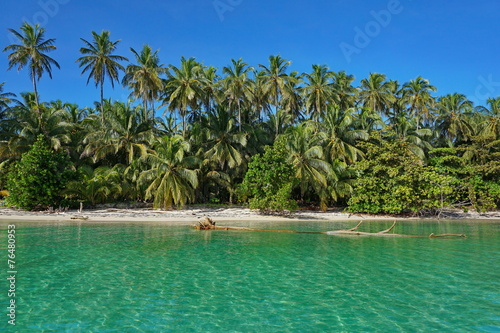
[(84, 277)]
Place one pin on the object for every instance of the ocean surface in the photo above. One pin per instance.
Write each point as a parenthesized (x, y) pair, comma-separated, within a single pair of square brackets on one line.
[(148, 277)]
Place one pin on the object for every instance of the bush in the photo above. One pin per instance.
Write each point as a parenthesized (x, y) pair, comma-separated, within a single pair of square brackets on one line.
[(36, 181), (394, 180), (269, 181)]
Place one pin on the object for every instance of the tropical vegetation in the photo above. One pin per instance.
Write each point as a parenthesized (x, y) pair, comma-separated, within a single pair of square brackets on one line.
[(260, 134)]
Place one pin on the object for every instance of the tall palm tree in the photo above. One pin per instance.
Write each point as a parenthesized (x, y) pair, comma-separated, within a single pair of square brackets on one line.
[(32, 52), (417, 95), (222, 148), (491, 127), (261, 99), (274, 78), (237, 85), (292, 102), (318, 91), (211, 93), (452, 121), (172, 177), (98, 58), (222, 143), (375, 93), (144, 78), (184, 88), (303, 144), (345, 93)]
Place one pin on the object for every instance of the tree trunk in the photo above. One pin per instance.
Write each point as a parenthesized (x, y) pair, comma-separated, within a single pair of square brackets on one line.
[(102, 101), (36, 91)]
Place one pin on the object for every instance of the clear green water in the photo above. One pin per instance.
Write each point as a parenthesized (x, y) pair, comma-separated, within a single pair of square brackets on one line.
[(151, 278)]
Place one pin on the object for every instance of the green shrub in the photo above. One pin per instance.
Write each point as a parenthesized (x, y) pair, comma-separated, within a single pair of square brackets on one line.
[(269, 181), (36, 181)]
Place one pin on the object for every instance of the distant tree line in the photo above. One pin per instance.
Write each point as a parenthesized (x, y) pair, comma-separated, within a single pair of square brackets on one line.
[(263, 135)]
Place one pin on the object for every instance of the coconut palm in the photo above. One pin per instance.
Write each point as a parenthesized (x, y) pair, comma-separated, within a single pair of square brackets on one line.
[(99, 60), (237, 85), (403, 127), (261, 99), (211, 93), (171, 178), (345, 93), (32, 52), (452, 122), (417, 95), (6, 98), (95, 186), (491, 127), (275, 78), (376, 93), (144, 78), (221, 148), (303, 144), (340, 136), (124, 136), (318, 91), (292, 102), (24, 126), (184, 88), (222, 142)]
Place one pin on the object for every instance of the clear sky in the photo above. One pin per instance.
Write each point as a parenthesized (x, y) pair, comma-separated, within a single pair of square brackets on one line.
[(454, 44)]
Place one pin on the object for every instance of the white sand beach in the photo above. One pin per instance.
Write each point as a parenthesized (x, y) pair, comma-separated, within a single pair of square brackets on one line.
[(191, 215)]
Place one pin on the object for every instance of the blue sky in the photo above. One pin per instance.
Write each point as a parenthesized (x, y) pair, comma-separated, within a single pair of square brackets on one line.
[(454, 44)]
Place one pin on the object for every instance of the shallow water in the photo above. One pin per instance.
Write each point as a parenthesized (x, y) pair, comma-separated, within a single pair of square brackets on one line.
[(133, 277)]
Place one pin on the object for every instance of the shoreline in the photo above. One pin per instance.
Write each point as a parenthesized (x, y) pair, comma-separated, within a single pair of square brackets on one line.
[(224, 214)]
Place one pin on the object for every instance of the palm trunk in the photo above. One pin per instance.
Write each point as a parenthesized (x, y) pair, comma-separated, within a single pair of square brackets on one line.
[(36, 91), (102, 101), (239, 115), (184, 123)]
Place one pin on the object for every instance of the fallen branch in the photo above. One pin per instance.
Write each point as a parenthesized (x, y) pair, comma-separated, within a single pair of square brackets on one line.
[(208, 224)]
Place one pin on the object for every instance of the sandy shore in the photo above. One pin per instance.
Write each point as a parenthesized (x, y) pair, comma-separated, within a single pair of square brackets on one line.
[(224, 214)]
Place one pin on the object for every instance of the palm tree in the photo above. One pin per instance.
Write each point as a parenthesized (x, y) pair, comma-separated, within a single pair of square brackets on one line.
[(211, 93), (172, 178), (260, 101), (274, 80), (292, 102), (340, 135), (24, 126), (306, 155), (345, 93), (492, 113), (31, 52), (222, 148), (222, 144), (452, 121), (375, 93), (5, 100), (318, 91), (124, 136), (144, 78), (184, 88), (417, 95), (237, 85), (98, 58)]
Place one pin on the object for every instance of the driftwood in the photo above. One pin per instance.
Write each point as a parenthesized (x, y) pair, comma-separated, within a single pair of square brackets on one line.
[(208, 224)]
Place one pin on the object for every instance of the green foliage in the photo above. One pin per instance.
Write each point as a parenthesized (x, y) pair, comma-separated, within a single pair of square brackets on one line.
[(394, 180), (37, 180), (269, 181)]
